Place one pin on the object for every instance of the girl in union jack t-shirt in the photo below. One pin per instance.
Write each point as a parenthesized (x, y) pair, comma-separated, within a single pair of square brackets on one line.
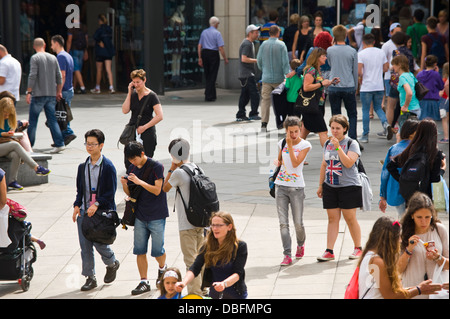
[(340, 186)]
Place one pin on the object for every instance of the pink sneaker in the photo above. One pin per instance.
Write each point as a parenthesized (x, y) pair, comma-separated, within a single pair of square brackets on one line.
[(300, 251), (356, 254), (286, 261), (326, 256)]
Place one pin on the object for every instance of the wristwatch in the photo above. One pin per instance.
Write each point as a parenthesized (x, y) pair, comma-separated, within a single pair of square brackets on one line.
[(170, 171), (28, 92), (97, 204)]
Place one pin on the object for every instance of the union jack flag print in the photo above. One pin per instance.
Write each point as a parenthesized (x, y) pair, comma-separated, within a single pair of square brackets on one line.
[(333, 171)]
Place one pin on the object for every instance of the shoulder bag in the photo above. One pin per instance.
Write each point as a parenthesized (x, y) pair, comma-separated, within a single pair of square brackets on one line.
[(129, 132), (308, 102), (129, 216), (100, 227)]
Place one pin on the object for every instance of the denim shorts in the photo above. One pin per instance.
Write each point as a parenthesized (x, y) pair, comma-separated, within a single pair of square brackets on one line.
[(142, 232)]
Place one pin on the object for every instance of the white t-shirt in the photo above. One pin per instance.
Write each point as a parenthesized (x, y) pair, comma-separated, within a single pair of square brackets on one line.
[(373, 59), (11, 70), (387, 48), (290, 176)]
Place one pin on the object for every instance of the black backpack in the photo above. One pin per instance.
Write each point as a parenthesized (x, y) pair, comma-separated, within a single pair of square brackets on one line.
[(203, 200), (414, 176)]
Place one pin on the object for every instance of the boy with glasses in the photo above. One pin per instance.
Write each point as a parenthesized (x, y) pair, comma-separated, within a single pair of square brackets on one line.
[(96, 188)]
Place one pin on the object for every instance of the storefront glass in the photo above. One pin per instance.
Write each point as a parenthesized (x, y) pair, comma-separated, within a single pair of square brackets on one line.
[(184, 21)]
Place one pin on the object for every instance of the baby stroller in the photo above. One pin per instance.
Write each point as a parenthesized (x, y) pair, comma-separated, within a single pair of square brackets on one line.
[(16, 260)]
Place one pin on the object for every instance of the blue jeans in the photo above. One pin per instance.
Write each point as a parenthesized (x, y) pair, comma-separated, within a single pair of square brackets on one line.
[(68, 96), (48, 103), (87, 250), (142, 232), (366, 99), (349, 98)]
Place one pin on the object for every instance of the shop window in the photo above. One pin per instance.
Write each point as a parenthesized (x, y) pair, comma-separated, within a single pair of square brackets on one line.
[(184, 22)]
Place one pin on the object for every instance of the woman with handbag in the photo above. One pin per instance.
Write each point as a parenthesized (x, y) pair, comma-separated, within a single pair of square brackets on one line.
[(143, 102), (311, 102), (420, 227)]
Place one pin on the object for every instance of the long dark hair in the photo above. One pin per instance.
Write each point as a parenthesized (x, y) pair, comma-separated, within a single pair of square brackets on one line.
[(424, 141), (417, 201)]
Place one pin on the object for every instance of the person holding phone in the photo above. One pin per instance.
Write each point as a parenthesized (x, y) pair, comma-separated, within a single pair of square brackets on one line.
[(139, 96)]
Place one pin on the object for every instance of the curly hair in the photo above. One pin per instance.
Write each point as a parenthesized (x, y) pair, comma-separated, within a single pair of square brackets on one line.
[(323, 40)]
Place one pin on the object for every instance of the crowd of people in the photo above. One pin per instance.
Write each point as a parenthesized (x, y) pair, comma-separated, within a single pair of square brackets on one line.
[(338, 63)]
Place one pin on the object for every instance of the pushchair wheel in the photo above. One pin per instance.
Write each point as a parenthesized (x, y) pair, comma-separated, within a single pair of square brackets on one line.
[(24, 283)]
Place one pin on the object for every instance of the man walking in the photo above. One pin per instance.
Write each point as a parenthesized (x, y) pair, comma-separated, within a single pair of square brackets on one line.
[(44, 87), (247, 71), (343, 60), (96, 187), (66, 66), (150, 209), (10, 73), (191, 237), (273, 61), (372, 62), (211, 42)]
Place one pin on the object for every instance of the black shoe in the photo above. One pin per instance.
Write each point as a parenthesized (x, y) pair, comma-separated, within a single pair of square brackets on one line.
[(69, 138), (91, 283), (160, 273), (140, 289), (263, 127), (111, 272)]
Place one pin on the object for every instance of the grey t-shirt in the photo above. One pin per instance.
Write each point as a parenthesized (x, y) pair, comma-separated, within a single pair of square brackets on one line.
[(181, 179), (336, 174), (246, 70)]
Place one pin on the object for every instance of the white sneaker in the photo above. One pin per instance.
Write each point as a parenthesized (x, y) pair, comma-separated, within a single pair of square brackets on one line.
[(95, 91), (57, 150)]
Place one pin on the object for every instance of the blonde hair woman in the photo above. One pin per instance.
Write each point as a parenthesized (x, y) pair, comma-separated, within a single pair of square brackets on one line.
[(10, 148)]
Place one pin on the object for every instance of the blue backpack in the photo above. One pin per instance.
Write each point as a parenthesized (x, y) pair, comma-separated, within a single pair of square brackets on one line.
[(437, 48)]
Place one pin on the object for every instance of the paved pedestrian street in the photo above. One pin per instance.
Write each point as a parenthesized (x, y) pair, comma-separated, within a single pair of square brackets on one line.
[(237, 157)]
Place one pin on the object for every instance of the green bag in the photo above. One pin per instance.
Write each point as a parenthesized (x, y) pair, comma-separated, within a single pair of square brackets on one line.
[(439, 196)]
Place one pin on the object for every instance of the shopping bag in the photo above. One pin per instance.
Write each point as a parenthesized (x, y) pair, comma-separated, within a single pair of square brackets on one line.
[(440, 276), (439, 198)]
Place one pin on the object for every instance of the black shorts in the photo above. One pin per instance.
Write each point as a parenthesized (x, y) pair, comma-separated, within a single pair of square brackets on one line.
[(348, 197)]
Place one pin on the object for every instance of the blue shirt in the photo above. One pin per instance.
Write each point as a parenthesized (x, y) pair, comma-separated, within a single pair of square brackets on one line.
[(389, 188), (273, 60), (211, 39), (408, 78), (65, 62)]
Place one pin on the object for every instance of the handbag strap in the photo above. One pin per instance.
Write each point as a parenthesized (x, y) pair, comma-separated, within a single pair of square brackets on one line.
[(142, 109)]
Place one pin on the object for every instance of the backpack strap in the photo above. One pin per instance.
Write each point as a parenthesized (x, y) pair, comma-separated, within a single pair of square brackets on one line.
[(191, 174)]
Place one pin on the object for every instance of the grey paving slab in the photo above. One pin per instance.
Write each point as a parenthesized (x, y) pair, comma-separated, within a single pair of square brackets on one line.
[(237, 157)]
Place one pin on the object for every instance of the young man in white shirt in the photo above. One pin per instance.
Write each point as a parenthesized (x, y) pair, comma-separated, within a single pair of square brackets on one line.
[(10, 73), (372, 62)]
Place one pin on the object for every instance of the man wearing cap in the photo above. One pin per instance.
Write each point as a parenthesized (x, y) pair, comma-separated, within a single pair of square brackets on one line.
[(391, 95), (247, 70), (211, 42)]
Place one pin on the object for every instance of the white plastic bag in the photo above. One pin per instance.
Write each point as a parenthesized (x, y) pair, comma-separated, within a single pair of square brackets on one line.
[(4, 238), (440, 276)]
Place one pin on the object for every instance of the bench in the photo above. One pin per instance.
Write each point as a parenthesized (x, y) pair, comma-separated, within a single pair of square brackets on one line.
[(27, 176)]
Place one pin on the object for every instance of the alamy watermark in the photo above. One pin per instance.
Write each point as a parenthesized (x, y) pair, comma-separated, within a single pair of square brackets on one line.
[(73, 19), (374, 18)]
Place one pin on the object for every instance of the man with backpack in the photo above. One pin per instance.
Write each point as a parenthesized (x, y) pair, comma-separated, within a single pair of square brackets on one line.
[(150, 209), (180, 176), (435, 44)]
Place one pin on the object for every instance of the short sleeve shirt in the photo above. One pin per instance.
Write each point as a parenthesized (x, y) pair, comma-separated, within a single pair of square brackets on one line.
[(289, 175), (65, 62), (181, 179), (211, 39), (408, 78), (149, 206), (150, 101), (336, 174), (246, 69)]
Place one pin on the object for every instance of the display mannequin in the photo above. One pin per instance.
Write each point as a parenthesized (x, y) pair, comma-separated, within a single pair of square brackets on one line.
[(176, 42)]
